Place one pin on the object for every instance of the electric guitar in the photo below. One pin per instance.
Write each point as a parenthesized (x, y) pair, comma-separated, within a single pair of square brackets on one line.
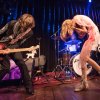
[(7, 51)]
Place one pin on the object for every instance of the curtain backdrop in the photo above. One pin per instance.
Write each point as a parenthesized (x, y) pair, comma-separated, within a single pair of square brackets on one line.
[(49, 15)]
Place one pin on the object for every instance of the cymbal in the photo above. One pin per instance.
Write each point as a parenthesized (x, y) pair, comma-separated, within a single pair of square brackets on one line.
[(73, 42), (63, 50), (56, 38)]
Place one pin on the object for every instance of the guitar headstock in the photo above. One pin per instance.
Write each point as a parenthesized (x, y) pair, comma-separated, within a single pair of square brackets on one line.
[(37, 47), (34, 47)]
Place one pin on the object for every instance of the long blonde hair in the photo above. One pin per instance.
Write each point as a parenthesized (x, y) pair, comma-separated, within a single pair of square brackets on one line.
[(26, 21), (66, 29)]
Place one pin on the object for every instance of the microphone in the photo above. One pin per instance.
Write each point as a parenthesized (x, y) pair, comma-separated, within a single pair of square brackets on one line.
[(55, 32)]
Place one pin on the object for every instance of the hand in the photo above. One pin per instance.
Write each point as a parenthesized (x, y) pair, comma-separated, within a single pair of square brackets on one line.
[(6, 51)]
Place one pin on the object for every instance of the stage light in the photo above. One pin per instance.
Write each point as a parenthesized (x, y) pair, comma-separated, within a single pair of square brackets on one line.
[(90, 1)]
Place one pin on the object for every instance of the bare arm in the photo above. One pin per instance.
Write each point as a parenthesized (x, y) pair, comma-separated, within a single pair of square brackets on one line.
[(82, 29)]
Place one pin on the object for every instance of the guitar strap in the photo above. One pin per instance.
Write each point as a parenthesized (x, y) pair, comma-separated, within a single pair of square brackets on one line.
[(20, 36)]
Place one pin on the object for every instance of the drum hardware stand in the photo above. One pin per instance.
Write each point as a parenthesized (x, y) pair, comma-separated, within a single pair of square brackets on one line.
[(58, 69), (69, 73), (40, 70), (68, 70), (58, 66)]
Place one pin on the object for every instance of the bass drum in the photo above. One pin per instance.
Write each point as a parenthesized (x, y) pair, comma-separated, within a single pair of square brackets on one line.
[(75, 60)]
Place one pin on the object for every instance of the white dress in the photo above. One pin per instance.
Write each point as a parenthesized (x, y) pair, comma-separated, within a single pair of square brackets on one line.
[(93, 32)]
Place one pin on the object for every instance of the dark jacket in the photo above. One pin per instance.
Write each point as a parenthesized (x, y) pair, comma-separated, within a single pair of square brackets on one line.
[(12, 28)]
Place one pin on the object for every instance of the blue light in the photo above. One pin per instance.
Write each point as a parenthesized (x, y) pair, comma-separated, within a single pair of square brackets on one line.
[(90, 1)]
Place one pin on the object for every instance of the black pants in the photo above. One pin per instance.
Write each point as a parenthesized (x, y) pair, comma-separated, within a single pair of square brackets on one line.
[(18, 59), (4, 66)]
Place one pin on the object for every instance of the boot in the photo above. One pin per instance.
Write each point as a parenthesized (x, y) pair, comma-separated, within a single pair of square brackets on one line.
[(30, 91), (29, 88), (82, 86)]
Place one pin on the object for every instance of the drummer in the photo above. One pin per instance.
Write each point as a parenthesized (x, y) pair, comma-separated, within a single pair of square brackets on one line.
[(83, 25)]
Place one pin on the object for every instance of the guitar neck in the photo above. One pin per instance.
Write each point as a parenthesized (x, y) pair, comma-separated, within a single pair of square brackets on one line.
[(19, 50), (16, 50), (6, 51)]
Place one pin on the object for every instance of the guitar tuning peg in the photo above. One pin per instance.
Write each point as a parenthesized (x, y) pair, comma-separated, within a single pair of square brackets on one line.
[(38, 46)]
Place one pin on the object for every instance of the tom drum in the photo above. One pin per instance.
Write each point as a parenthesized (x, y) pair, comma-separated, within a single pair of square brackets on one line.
[(77, 66)]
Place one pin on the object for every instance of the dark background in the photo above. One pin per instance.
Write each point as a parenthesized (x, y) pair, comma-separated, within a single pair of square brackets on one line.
[(49, 15)]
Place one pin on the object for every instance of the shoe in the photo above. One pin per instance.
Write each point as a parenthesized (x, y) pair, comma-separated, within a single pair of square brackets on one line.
[(30, 91), (83, 86)]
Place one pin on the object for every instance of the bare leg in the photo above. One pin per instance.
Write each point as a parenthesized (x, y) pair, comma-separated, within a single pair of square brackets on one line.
[(84, 70), (84, 58), (84, 83)]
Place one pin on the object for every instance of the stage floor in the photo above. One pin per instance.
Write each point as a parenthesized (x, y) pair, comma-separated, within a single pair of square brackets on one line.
[(54, 90)]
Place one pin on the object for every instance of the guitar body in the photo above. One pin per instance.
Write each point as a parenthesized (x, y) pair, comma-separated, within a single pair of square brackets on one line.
[(4, 50), (2, 47)]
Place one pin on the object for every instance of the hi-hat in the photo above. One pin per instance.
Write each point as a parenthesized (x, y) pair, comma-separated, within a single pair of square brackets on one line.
[(73, 42), (56, 38)]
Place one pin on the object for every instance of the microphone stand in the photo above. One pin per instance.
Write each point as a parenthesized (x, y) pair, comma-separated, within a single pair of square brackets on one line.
[(55, 33), (39, 45), (54, 36), (39, 64), (57, 70)]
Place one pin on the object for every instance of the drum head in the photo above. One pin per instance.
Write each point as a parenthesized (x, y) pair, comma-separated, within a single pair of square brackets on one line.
[(77, 66)]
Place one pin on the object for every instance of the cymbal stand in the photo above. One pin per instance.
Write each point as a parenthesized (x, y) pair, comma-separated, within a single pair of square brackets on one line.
[(68, 70), (40, 70), (58, 69)]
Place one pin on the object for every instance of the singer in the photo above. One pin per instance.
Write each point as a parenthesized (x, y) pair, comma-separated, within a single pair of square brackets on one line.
[(83, 25)]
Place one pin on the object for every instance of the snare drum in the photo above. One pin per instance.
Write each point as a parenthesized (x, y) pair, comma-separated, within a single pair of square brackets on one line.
[(75, 60), (65, 58)]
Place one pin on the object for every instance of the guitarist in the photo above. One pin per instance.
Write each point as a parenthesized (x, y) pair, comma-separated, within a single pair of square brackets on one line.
[(14, 33)]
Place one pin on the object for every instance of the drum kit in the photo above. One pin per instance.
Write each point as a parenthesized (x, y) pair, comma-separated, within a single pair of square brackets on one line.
[(69, 60)]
